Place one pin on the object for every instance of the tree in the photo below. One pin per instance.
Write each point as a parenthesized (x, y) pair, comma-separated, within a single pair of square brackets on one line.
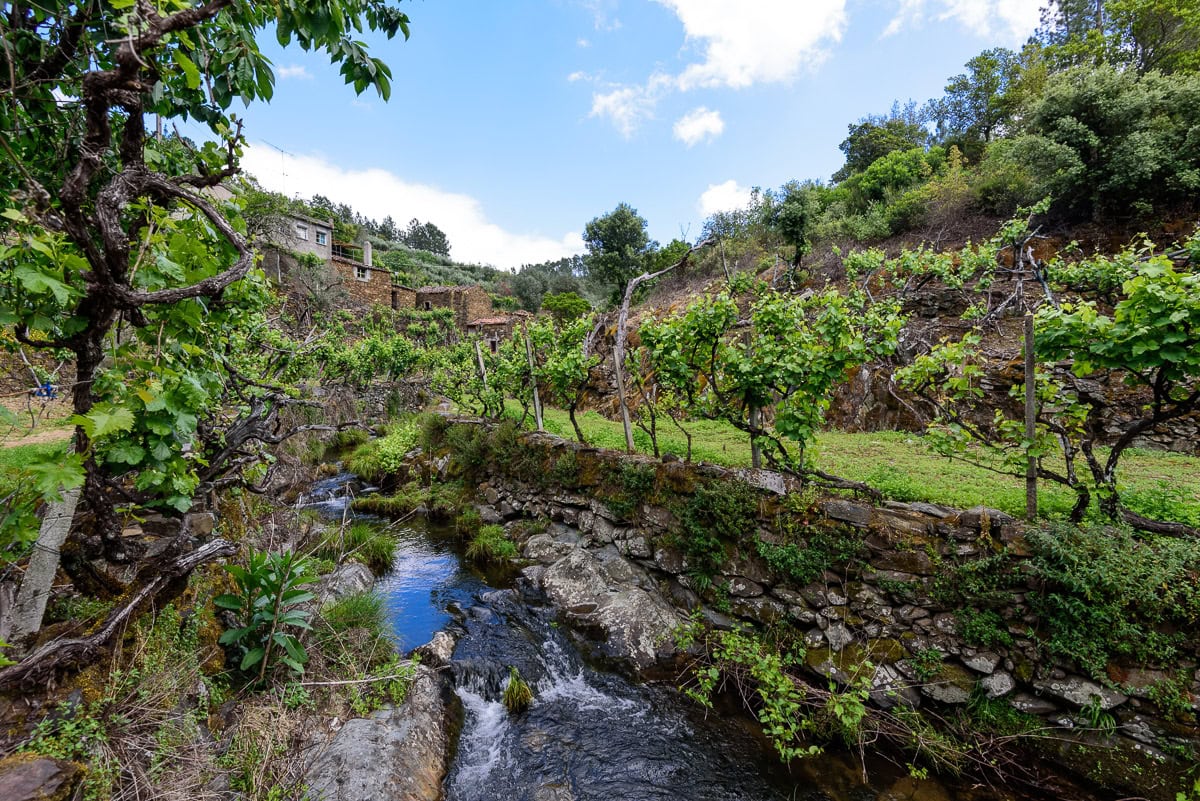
[(107, 225), (1146, 35), (426, 236), (976, 106), (874, 136), (565, 360), (618, 246), (1107, 141), (795, 217), (786, 355), (565, 307)]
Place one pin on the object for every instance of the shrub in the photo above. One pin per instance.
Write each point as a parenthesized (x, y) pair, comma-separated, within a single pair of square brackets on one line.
[(491, 544), (370, 544), (382, 458), (1108, 594)]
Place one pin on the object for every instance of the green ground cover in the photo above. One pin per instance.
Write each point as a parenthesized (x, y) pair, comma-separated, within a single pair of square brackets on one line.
[(1157, 484)]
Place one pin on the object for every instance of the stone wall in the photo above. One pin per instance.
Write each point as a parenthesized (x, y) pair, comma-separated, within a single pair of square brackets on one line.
[(882, 608), (374, 288)]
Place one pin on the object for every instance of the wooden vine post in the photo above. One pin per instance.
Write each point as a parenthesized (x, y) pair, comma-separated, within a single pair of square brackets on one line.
[(537, 400), (1030, 420), (482, 369), (619, 338)]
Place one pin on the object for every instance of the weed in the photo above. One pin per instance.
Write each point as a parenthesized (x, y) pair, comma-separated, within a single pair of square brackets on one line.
[(926, 664), (564, 472), (998, 716), (1099, 718), (1170, 695), (491, 544), (517, 694), (268, 606), (717, 513), (360, 609), (373, 545), (1105, 594), (805, 563), (983, 628), (382, 458)]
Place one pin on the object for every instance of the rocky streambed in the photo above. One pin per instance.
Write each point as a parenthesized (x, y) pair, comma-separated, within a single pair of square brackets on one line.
[(577, 624)]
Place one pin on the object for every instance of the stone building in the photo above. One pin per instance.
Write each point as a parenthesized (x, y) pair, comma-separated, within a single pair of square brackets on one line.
[(497, 327), (468, 302)]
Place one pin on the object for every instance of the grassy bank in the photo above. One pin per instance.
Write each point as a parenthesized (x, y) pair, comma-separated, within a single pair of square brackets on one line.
[(1156, 484)]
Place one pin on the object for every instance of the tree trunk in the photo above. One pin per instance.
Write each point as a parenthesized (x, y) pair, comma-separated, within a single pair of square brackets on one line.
[(575, 424)]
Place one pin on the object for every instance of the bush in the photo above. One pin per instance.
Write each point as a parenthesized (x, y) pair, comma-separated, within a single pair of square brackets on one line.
[(370, 544), (491, 545), (382, 458), (1107, 594)]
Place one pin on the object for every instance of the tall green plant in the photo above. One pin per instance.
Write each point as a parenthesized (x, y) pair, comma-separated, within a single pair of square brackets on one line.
[(267, 604)]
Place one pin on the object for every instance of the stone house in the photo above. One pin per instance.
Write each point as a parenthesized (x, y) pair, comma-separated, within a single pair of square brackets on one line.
[(497, 327), (468, 302), (363, 283)]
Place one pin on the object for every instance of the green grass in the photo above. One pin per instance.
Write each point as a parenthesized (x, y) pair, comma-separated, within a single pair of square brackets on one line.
[(15, 458), (1154, 483), (375, 547), (491, 545)]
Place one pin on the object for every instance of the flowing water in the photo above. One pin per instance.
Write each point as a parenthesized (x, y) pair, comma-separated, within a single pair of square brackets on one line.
[(590, 734)]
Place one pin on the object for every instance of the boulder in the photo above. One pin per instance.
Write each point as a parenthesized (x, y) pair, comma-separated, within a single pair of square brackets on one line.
[(998, 684), (29, 777), (437, 652), (1079, 692), (349, 579), (633, 625), (396, 753)]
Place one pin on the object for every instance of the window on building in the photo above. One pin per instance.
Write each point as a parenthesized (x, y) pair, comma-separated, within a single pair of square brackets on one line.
[(322, 237), (395, 300), (302, 231), (362, 273), (495, 345), (428, 305)]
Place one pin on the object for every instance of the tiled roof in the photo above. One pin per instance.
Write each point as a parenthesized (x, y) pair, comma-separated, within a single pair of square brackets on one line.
[(490, 321)]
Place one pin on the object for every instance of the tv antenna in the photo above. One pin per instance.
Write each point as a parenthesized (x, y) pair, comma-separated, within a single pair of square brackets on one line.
[(282, 165)]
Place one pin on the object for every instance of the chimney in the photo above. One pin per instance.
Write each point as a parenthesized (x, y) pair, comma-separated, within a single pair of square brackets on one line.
[(367, 253)]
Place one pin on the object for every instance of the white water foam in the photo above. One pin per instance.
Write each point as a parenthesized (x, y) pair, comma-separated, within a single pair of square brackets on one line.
[(482, 747), (561, 683)]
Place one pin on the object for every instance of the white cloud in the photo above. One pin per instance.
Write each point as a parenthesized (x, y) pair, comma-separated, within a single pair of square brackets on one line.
[(603, 14), (1012, 19), (581, 42), (628, 106), (293, 71), (723, 197), (578, 75), (699, 124), (378, 193), (758, 41)]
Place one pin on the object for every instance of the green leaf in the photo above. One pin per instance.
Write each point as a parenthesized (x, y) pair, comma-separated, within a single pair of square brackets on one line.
[(252, 657), (104, 419), (191, 73)]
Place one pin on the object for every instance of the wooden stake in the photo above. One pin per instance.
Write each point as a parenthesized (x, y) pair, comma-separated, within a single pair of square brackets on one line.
[(1030, 420), (537, 400), (482, 369), (624, 406)]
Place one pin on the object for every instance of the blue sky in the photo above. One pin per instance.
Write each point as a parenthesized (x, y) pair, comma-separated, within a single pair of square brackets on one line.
[(512, 124)]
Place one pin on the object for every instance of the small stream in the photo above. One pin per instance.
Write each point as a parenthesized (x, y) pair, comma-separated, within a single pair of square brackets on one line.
[(590, 734)]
